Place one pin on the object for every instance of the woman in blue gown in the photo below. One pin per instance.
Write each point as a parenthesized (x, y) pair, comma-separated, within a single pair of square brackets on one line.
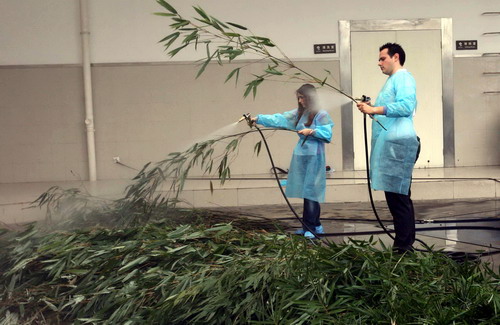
[(307, 172)]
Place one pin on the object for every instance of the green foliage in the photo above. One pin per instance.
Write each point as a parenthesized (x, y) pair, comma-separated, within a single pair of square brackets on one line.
[(229, 41), (160, 275)]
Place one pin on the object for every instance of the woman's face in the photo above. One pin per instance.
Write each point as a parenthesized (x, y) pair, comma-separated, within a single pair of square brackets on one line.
[(302, 100)]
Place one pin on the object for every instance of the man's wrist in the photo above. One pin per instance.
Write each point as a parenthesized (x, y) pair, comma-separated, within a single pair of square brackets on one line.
[(379, 110)]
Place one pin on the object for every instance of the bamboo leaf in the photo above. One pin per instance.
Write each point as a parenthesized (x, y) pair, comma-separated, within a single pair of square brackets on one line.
[(219, 23), (248, 89), (179, 24), (171, 39), (257, 83), (237, 26), (236, 73), (219, 59), (211, 188), (50, 305), (191, 37), (207, 61), (133, 263), (273, 71), (163, 14), (229, 34), (202, 13), (130, 275), (205, 21), (203, 66), (257, 147), (175, 51), (167, 6), (232, 145)]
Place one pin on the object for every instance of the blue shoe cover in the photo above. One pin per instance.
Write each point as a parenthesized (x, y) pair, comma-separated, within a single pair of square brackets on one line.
[(309, 235), (320, 230), (299, 231)]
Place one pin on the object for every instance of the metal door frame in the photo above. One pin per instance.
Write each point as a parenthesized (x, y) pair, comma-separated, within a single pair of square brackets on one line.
[(442, 24)]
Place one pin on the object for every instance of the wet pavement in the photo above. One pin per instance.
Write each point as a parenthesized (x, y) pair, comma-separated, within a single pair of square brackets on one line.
[(457, 226)]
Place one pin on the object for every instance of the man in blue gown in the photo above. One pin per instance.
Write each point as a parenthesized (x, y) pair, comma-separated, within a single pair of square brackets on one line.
[(394, 151)]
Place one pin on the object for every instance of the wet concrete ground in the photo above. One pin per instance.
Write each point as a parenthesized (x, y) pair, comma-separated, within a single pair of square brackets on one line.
[(467, 225)]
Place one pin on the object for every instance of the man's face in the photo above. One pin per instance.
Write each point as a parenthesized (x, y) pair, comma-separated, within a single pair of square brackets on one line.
[(386, 63)]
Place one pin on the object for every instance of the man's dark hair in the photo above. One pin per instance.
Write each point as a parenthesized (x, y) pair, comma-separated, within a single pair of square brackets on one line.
[(393, 48)]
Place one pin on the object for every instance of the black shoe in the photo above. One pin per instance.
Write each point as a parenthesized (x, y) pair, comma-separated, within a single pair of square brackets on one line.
[(402, 250)]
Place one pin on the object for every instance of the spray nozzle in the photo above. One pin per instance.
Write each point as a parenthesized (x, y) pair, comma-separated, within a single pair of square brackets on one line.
[(364, 99), (248, 118)]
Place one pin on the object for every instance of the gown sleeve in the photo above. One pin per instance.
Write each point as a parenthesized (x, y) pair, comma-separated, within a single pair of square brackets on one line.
[(324, 125), (406, 98), (286, 120)]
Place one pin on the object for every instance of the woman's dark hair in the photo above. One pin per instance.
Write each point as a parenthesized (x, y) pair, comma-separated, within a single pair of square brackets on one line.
[(309, 92), (393, 48)]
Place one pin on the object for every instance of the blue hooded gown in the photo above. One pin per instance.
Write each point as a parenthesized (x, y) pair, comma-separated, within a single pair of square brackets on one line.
[(307, 173), (394, 151)]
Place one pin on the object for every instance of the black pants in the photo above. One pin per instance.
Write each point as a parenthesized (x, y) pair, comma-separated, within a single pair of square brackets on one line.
[(403, 216), (311, 213)]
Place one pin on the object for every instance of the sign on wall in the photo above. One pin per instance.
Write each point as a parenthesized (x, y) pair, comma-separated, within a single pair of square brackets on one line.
[(325, 48), (466, 45)]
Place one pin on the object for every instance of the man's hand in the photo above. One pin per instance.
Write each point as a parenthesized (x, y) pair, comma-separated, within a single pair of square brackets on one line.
[(306, 132), (367, 109)]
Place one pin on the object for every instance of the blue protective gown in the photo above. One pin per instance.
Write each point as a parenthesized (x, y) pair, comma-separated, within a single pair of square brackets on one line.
[(393, 151), (306, 176)]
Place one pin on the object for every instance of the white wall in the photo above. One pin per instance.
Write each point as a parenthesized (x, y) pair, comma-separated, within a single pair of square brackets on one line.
[(39, 32), (47, 32)]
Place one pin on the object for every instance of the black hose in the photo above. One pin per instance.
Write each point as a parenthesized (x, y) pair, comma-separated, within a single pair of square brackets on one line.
[(367, 160), (347, 178), (418, 222)]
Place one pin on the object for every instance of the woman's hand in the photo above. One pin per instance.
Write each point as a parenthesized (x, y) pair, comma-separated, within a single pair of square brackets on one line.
[(306, 132)]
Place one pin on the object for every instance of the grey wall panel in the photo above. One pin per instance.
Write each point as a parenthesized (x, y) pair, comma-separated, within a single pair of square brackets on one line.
[(477, 115), (144, 112), (41, 125)]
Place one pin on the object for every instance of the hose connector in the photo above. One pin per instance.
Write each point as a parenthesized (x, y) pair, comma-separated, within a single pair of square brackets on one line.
[(248, 118)]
